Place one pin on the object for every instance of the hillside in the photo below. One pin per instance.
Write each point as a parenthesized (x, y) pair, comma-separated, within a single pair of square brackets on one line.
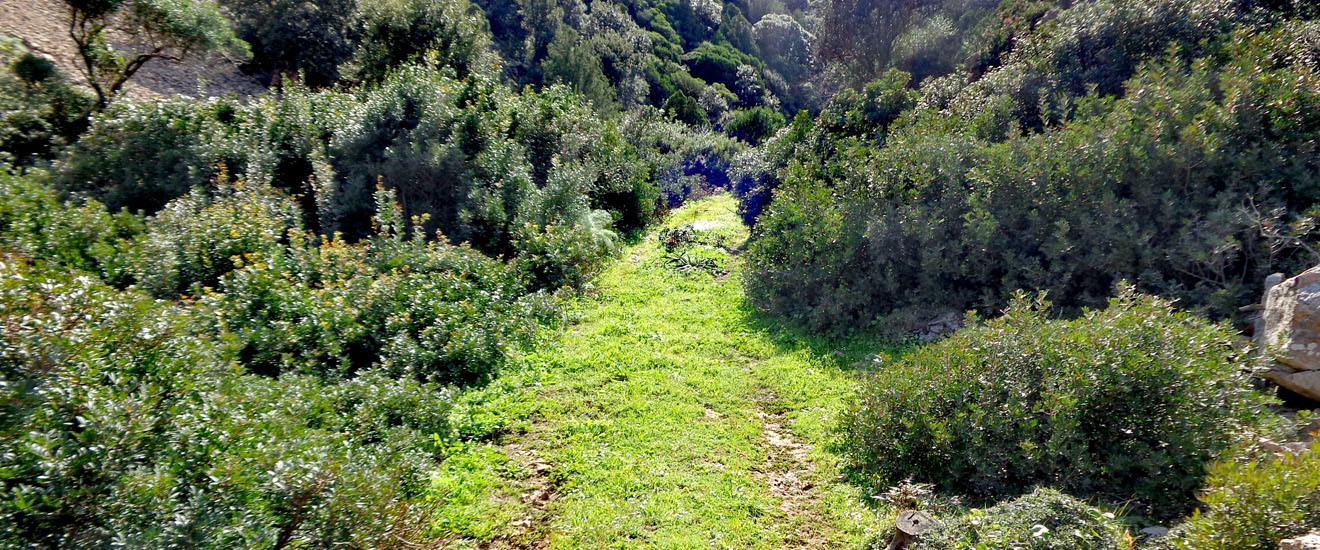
[(579, 274)]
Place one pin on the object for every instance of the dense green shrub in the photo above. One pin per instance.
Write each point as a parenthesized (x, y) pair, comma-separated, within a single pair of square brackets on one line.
[(1045, 519), (311, 38), (869, 113), (195, 239), (121, 427), (1128, 404), (754, 125), (139, 155), (415, 308), (1253, 503), (685, 109), (718, 63), (40, 112), (486, 166), (292, 406), (1095, 46), (35, 221), (1196, 184), (395, 32), (525, 174), (856, 119), (679, 160)]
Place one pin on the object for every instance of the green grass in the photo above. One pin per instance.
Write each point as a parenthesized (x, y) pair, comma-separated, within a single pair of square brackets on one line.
[(669, 414)]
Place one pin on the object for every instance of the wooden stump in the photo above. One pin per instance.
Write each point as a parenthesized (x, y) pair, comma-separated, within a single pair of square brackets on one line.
[(910, 525)]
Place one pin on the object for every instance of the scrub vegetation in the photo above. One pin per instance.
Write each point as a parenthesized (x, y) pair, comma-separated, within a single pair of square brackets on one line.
[(656, 273)]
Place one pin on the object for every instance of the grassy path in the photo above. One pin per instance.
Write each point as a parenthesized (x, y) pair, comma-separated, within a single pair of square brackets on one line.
[(667, 415)]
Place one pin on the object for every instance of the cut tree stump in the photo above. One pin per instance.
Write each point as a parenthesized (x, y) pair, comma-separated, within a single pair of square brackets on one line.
[(910, 525)]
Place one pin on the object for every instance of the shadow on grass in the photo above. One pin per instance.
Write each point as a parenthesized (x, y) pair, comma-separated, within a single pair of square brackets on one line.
[(853, 351), (858, 353)]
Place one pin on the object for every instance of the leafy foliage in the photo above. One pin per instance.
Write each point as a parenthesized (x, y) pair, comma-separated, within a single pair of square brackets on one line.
[(195, 239), (415, 308), (1251, 503), (311, 38), (685, 109), (40, 111), (160, 29), (293, 405), (1044, 519), (121, 427), (1169, 186), (534, 175), (396, 32), (140, 155), (1128, 404), (35, 221), (754, 125)]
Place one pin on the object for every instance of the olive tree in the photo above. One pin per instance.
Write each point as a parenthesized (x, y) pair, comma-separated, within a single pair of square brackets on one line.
[(151, 29)]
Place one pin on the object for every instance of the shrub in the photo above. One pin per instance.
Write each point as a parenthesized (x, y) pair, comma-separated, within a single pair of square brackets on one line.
[(447, 34), (686, 110), (1252, 503), (867, 115), (40, 112), (1197, 184), (718, 63), (476, 159), (35, 222), (755, 172), (1127, 404), (678, 159), (415, 308), (195, 239), (482, 164), (121, 427), (754, 125), (139, 155), (1095, 46), (1045, 519), (307, 37)]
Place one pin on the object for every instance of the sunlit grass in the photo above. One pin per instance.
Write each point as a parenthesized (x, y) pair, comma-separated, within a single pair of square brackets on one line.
[(647, 420)]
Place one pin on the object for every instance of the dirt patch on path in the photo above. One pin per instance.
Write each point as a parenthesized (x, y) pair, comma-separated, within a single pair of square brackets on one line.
[(789, 473), (44, 25), (531, 531)]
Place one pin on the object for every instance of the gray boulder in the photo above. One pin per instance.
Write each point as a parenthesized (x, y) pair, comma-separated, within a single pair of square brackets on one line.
[(1292, 321), (1289, 330)]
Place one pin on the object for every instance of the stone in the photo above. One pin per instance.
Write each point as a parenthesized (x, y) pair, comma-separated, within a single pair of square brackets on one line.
[(1304, 542), (1291, 318), (939, 327), (1305, 383), (1155, 531), (1283, 448)]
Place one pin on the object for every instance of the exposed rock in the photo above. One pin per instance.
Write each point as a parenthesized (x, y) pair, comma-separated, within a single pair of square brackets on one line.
[(1288, 330), (1254, 313), (1155, 531), (1292, 321), (1302, 382), (1304, 542), (939, 327), (1285, 448)]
